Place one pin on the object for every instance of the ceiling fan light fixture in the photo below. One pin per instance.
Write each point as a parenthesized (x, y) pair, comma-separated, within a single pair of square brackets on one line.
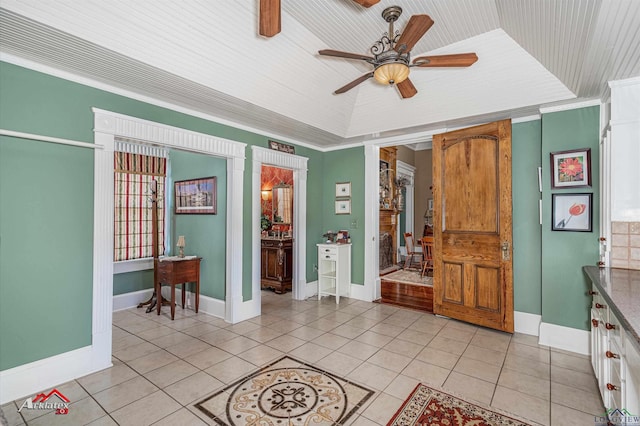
[(391, 73)]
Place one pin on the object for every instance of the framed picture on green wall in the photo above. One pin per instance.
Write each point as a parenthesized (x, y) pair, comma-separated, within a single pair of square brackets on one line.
[(195, 196), (343, 206), (571, 169), (571, 212)]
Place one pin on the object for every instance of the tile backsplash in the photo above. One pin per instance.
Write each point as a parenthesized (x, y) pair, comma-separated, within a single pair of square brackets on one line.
[(625, 245)]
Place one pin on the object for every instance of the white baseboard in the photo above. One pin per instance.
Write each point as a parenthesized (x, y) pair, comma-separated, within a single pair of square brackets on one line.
[(566, 338), (248, 309), (527, 323), (357, 291), (25, 380), (131, 300), (208, 305), (311, 289)]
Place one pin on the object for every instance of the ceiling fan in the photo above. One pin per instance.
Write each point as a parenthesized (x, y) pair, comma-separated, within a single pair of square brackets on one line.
[(392, 55), (270, 15)]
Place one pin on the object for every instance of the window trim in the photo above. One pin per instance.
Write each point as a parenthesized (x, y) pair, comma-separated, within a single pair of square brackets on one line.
[(124, 266)]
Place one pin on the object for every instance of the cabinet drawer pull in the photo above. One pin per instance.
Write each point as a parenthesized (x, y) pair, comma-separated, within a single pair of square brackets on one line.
[(600, 306), (592, 293), (612, 387), (594, 322), (610, 354), (327, 257), (610, 326)]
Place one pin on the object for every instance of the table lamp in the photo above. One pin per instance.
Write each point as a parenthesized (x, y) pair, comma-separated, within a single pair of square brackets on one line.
[(181, 245)]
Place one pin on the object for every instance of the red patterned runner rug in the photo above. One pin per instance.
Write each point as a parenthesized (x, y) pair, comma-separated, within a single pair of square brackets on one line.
[(428, 406)]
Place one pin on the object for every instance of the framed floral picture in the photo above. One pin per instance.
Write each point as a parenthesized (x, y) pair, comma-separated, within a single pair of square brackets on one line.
[(571, 212), (571, 169)]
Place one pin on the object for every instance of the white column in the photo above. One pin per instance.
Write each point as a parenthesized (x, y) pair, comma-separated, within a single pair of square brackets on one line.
[(102, 251), (300, 234), (371, 222), (235, 191)]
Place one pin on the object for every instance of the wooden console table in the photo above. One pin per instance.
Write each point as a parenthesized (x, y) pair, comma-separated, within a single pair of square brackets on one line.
[(277, 264), (174, 271)]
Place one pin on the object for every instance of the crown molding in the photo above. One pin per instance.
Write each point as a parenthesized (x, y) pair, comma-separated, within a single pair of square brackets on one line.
[(570, 106)]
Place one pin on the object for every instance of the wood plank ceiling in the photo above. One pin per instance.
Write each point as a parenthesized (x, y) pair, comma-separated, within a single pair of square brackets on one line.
[(208, 59)]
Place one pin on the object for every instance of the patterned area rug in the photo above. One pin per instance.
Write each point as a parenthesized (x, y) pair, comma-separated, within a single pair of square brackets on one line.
[(428, 406), (286, 392), (408, 276)]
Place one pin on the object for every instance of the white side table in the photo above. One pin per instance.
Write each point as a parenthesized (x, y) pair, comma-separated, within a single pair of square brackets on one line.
[(334, 270)]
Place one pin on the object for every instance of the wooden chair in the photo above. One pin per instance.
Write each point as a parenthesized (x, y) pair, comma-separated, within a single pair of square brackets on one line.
[(427, 254), (411, 250)]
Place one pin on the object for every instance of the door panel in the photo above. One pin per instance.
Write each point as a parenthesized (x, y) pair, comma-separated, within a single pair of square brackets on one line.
[(475, 182), (472, 221), (452, 283), (488, 288)]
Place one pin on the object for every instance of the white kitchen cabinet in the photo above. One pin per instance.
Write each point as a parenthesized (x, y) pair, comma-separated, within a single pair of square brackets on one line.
[(615, 350), (631, 376), (625, 150)]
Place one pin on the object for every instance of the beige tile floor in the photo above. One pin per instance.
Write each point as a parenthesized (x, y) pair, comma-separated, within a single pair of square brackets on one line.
[(162, 367)]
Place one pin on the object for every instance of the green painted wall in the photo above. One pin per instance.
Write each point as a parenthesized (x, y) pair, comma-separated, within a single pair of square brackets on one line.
[(315, 209), (46, 217), (129, 282), (205, 235), (346, 165), (46, 246), (564, 286), (526, 145), (59, 262)]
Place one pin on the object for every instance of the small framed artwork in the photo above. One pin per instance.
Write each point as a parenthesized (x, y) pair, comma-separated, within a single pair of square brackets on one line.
[(195, 196), (343, 206), (343, 189), (571, 169), (282, 147), (571, 212)]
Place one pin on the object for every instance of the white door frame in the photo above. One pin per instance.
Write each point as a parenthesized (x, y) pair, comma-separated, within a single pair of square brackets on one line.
[(406, 170), (108, 125), (371, 222), (262, 156), (372, 206)]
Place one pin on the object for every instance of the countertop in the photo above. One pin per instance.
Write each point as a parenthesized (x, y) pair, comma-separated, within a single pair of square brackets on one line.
[(620, 288)]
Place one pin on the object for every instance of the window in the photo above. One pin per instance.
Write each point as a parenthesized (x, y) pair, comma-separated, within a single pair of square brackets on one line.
[(133, 176)]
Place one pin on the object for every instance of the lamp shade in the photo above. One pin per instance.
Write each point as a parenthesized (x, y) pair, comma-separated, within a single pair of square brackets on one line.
[(180, 242), (265, 194), (392, 73)]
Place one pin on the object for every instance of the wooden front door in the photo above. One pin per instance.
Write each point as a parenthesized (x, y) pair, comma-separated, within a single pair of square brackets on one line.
[(473, 274)]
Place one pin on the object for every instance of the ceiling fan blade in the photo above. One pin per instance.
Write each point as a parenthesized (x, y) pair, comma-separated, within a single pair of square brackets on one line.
[(269, 17), (353, 84), (340, 54), (366, 3), (407, 89), (455, 60), (415, 29)]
